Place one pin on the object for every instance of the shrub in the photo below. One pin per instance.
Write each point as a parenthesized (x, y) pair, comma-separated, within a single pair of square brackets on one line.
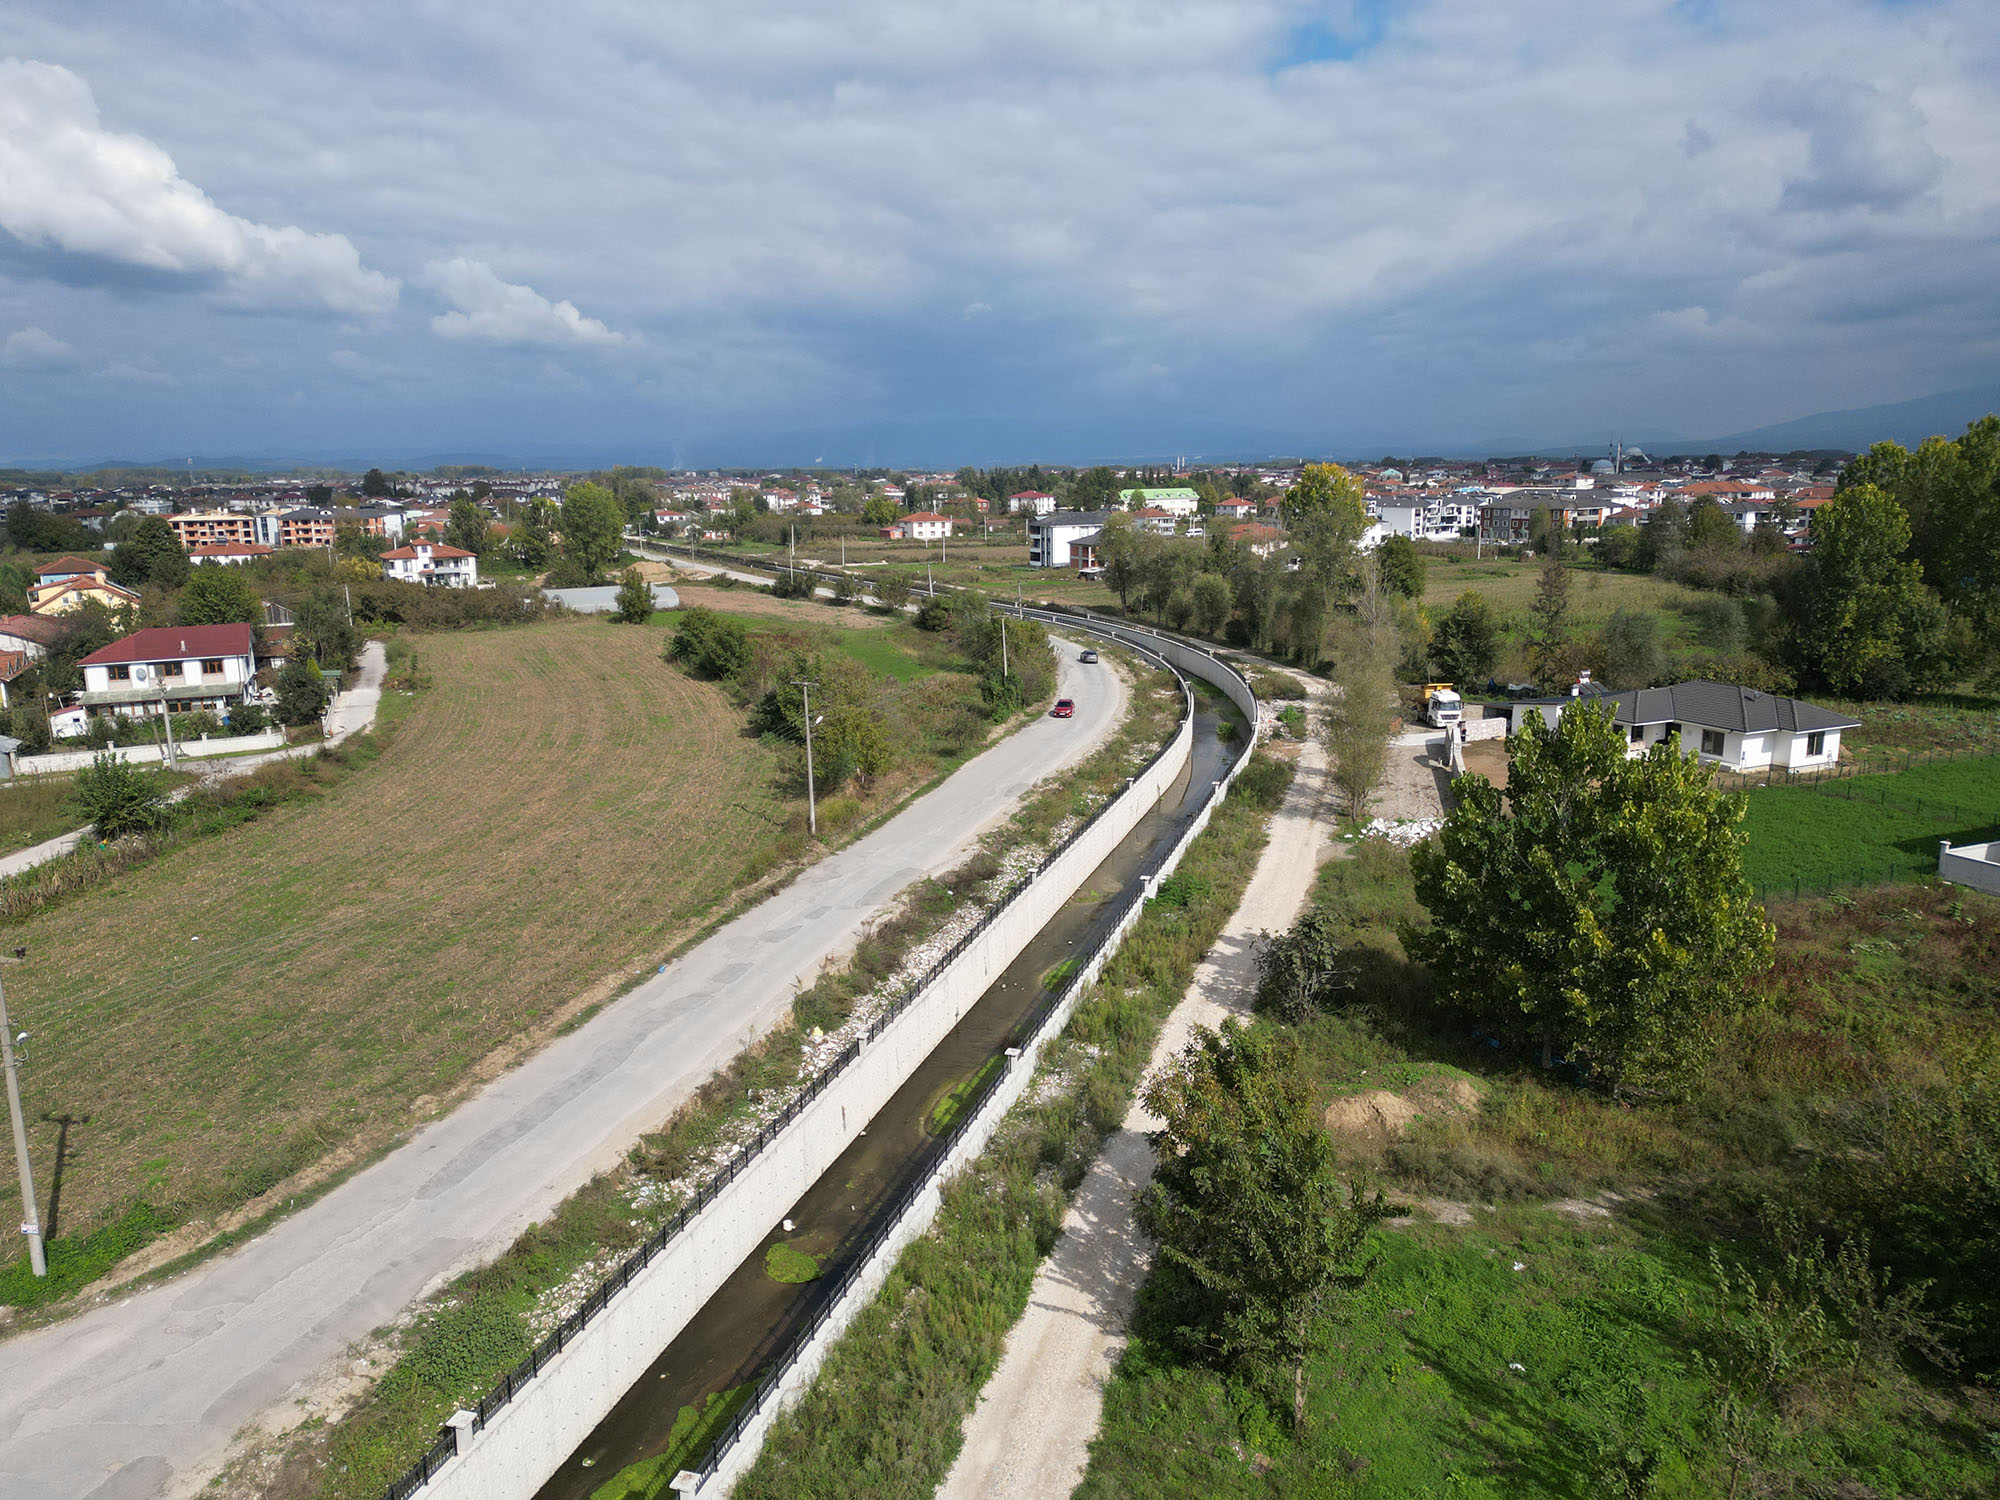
[(248, 718), (711, 644), (118, 798)]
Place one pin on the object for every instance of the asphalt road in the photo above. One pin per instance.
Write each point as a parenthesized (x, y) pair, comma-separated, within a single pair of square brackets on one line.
[(141, 1397)]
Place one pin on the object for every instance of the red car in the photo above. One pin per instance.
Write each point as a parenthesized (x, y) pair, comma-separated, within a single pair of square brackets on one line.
[(1065, 709)]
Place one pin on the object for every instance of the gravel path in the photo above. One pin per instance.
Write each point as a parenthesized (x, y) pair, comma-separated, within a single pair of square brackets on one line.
[(1029, 1437)]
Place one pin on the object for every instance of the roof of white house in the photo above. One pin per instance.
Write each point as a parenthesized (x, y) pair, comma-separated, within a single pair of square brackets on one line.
[(173, 643), (429, 549), (1723, 705)]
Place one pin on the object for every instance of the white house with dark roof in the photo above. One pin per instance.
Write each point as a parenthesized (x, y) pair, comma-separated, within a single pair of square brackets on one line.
[(1736, 728)]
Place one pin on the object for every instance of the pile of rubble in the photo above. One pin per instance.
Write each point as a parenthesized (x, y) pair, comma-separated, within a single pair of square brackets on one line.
[(1404, 835)]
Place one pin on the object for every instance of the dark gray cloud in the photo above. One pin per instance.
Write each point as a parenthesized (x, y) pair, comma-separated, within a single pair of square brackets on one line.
[(1180, 220)]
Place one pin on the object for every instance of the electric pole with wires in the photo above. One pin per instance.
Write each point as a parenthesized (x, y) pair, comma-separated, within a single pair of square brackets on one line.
[(31, 1222), (805, 687)]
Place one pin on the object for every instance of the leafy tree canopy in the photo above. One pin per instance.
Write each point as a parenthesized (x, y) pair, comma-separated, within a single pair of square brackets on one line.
[(217, 595), (1597, 910), (593, 524)]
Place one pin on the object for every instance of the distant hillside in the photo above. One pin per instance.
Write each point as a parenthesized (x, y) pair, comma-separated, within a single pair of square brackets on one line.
[(1905, 422)]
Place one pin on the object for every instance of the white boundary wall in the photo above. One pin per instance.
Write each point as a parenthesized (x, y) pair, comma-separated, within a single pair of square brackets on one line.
[(1976, 865), (979, 1130), (529, 1438), (143, 755)]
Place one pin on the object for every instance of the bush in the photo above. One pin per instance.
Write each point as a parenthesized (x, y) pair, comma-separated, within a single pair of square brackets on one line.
[(248, 718), (118, 798), (302, 694), (713, 645)]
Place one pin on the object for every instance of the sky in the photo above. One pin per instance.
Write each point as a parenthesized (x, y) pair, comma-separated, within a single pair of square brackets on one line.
[(943, 232)]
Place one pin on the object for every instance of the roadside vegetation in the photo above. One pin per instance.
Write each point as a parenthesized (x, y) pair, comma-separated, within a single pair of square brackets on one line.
[(884, 1417), (527, 1289), (1722, 1231)]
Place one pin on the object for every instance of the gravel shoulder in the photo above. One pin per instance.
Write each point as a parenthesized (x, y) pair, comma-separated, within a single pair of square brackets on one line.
[(1029, 1437)]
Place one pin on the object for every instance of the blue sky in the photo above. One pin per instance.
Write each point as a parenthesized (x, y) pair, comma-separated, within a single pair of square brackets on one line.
[(930, 232)]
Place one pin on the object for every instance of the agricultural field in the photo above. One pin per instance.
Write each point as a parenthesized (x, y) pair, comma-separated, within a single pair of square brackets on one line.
[(1866, 829), (301, 989), (1560, 1307)]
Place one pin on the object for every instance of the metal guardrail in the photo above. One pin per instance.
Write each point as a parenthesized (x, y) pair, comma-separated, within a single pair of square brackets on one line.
[(446, 1444)]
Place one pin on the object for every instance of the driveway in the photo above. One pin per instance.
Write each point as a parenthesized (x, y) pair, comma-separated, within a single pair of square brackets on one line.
[(141, 1397)]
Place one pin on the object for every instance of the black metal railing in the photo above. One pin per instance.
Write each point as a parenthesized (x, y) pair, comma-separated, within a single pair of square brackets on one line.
[(565, 1332)]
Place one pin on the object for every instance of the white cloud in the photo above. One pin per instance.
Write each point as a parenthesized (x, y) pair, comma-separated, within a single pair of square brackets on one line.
[(69, 184), (502, 312), (32, 349)]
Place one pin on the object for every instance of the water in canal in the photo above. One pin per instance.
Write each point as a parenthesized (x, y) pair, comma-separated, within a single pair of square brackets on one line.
[(752, 1316)]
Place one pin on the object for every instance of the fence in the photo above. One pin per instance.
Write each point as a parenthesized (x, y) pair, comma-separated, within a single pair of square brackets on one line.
[(736, 1446), (450, 1440), (1852, 769), (135, 755)]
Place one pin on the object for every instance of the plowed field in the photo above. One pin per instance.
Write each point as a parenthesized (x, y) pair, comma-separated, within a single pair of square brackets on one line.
[(558, 810)]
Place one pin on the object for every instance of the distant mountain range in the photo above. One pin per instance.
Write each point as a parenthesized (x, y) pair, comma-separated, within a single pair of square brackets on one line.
[(952, 443)]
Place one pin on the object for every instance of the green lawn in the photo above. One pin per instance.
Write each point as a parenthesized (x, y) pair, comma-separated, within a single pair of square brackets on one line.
[(34, 808), (1538, 1326), (1866, 829)]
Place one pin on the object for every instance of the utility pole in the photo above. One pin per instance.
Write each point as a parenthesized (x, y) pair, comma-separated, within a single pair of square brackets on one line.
[(167, 723), (1003, 648), (31, 1225), (348, 590), (805, 688)]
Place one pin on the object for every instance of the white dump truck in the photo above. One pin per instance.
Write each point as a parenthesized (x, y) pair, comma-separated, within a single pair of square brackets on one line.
[(1442, 706)]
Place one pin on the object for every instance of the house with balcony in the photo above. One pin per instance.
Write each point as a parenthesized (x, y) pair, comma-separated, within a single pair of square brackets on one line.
[(66, 583), (1175, 500), (432, 564), (1030, 502), (1050, 536), (180, 667), (926, 526), (212, 528), (1509, 519)]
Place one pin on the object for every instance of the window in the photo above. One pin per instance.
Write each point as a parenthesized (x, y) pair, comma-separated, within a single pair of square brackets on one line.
[(1816, 742), (211, 666), (121, 673), (1670, 731), (173, 669), (1711, 742), (1638, 735)]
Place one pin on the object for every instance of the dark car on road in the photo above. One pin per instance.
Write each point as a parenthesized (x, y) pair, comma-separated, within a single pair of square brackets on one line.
[(1065, 709)]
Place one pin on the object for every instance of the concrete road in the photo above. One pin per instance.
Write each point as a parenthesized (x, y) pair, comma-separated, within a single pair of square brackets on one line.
[(141, 1398), (1050, 1380)]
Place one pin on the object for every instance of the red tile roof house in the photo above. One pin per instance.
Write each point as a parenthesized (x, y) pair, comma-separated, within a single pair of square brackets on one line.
[(926, 526), (432, 563), (184, 666)]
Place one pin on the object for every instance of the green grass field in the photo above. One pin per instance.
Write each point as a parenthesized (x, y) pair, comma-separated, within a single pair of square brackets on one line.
[(1866, 829), (34, 808), (1538, 1325)]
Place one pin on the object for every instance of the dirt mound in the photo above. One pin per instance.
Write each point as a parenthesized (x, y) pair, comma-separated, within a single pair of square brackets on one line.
[(1377, 1114), (1382, 1116)]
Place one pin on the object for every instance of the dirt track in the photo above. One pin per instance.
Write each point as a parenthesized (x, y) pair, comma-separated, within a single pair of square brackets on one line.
[(1029, 1437)]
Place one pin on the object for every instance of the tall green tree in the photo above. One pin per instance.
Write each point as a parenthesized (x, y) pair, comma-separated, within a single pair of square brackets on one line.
[(1872, 628), (1248, 1204), (1596, 910), (150, 554), (1552, 656), (1402, 567), (1325, 514), (375, 484), (218, 595), (1355, 726), (593, 524), (302, 693), (465, 525), (1465, 645), (1211, 603), (1630, 649)]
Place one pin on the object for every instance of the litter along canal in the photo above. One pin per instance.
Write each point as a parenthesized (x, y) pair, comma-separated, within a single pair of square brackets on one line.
[(670, 1417)]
